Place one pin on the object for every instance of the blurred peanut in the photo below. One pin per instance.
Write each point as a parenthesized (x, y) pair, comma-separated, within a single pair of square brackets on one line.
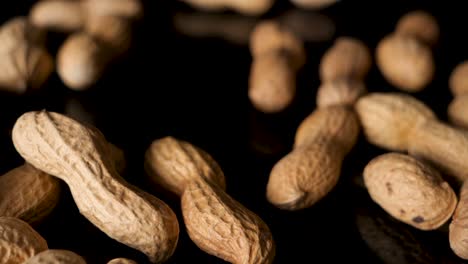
[(314, 4), (340, 92), (115, 32), (56, 256), (122, 261), (246, 7), (419, 24), (458, 84), (58, 15), (129, 9)]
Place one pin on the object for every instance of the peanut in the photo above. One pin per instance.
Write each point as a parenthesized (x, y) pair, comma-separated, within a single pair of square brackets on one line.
[(130, 9), (215, 222), (246, 7), (312, 168), (56, 256), (19, 30), (347, 58), (277, 56), (113, 31), (410, 190), (400, 122), (121, 261), (458, 81), (313, 4), (58, 15), (457, 109), (18, 241), (458, 231), (419, 24), (340, 92), (28, 193), (61, 146)]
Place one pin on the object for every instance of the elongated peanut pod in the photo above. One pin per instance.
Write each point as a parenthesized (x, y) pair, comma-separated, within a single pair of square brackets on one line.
[(58, 15), (246, 7), (122, 261), (78, 155), (28, 193), (410, 190), (312, 169), (18, 241), (56, 256), (458, 229), (341, 91), (223, 227), (458, 111)]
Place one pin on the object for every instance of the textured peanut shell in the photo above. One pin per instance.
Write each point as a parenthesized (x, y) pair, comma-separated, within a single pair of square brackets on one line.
[(458, 82), (405, 62), (60, 146), (419, 24), (458, 229), (313, 4), (246, 7), (222, 227), (122, 261), (58, 15), (81, 61), (446, 147), (18, 241), (270, 35), (114, 31), (174, 163), (389, 118), (458, 111), (410, 190), (28, 193), (131, 9), (56, 256), (342, 91), (347, 58), (272, 82)]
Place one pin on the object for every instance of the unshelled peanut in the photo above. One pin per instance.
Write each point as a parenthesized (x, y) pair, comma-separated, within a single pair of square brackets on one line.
[(341, 91), (419, 24), (246, 7), (18, 241), (458, 84), (410, 190), (58, 15), (56, 256), (61, 146), (122, 261), (313, 4), (130, 9), (215, 222)]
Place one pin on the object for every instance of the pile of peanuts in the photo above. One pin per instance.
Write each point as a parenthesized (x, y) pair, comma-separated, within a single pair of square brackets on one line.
[(416, 182)]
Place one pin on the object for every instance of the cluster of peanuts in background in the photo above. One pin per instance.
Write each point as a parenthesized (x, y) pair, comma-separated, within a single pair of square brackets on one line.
[(408, 183)]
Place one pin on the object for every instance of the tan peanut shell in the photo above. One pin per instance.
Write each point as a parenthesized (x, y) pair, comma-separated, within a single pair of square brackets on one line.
[(19, 30), (223, 227), (56, 256), (246, 7), (341, 91), (388, 118), (18, 241), (174, 163), (458, 111), (114, 31), (28, 193), (458, 81), (458, 230), (347, 58), (313, 4), (419, 24), (60, 146), (312, 169), (405, 62), (131, 9), (122, 261), (58, 15), (410, 190), (81, 60)]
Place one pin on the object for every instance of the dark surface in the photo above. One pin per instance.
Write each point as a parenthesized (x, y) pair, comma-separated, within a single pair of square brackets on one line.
[(196, 89)]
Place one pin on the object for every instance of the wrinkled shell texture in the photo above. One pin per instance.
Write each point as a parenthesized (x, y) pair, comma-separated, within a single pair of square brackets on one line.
[(62, 147), (18, 241), (389, 118), (174, 163), (60, 15), (340, 92), (419, 24), (458, 81), (458, 229), (223, 227), (56, 256), (313, 4), (405, 62), (28, 193), (132, 9), (347, 58), (246, 7), (122, 261), (272, 82), (410, 190), (458, 111), (269, 36)]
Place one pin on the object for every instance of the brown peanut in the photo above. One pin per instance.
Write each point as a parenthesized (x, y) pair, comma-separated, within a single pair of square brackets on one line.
[(58, 15), (18, 241), (458, 231), (130, 9), (341, 91), (19, 30), (313, 4), (400, 122), (56, 256), (246, 7), (122, 261), (277, 56), (410, 190), (419, 24), (28, 193), (215, 222), (312, 168), (61, 146), (114, 31), (347, 58), (458, 83)]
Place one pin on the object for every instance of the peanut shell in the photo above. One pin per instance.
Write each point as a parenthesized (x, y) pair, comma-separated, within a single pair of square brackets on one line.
[(458, 111), (246, 7), (313, 4), (58, 15), (114, 31), (122, 261), (458, 82), (341, 91), (56, 256), (131, 9), (419, 24)]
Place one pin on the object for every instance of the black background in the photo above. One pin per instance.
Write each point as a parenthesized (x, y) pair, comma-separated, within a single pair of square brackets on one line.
[(196, 89)]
